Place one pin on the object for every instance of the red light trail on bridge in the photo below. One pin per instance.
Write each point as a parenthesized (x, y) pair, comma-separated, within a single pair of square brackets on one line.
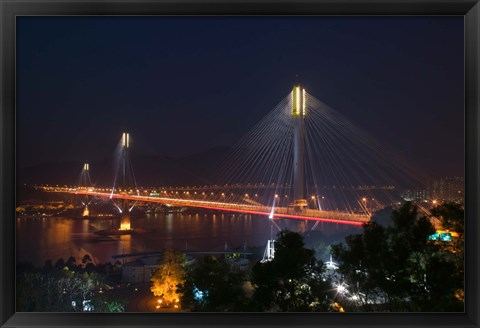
[(354, 219)]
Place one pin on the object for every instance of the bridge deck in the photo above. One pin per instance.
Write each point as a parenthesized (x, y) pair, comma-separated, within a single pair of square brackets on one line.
[(279, 212)]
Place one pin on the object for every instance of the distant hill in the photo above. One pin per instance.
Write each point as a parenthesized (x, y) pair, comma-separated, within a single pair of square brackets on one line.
[(204, 164), (195, 169)]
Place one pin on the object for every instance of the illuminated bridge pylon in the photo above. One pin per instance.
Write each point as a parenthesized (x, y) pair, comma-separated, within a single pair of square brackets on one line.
[(85, 182), (127, 181), (298, 116)]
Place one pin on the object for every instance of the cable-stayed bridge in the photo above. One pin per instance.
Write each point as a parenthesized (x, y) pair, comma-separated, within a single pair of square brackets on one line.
[(299, 146), (271, 212)]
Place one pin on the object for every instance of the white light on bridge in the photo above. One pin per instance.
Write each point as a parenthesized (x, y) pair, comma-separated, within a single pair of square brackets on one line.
[(298, 99), (303, 99)]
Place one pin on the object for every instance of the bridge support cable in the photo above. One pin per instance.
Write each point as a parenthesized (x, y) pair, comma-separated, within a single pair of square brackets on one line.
[(257, 157), (314, 225), (272, 221), (357, 159)]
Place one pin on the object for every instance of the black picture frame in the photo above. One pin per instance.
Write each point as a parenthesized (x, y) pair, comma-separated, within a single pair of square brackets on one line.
[(9, 9)]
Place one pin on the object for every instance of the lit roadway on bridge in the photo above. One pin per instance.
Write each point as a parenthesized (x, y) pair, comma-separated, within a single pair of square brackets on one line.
[(279, 212)]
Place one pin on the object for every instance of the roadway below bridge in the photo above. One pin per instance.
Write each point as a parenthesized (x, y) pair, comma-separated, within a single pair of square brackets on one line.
[(278, 212)]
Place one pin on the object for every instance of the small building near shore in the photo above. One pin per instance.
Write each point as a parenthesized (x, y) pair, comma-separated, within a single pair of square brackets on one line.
[(142, 269), (239, 264)]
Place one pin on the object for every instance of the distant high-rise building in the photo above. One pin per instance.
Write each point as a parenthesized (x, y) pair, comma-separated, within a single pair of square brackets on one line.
[(448, 189), (418, 195), (451, 189)]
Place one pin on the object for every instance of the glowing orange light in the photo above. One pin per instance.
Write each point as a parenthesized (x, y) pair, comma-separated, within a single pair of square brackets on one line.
[(86, 212), (452, 233)]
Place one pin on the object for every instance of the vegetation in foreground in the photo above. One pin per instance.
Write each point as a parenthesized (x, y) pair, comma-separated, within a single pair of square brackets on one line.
[(394, 268), (66, 287)]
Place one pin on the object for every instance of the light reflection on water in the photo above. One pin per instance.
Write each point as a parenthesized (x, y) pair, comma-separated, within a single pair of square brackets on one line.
[(40, 239)]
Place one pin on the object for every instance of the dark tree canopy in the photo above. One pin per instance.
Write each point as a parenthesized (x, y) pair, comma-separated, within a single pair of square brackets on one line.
[(211, 286), (397, 268), (292, 281)]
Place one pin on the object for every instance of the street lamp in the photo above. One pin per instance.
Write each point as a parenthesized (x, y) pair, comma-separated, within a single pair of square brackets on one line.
[(342, 289), (364, 199)]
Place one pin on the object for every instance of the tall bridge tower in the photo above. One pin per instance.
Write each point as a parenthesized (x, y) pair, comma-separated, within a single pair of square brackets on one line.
[(126, 182), (86, 182), (298, 116)]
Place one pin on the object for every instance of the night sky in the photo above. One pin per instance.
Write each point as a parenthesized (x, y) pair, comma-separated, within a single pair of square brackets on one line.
[(182, 85)]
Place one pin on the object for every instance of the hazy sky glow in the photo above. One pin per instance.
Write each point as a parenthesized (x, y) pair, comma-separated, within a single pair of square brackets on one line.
[(181, 85)]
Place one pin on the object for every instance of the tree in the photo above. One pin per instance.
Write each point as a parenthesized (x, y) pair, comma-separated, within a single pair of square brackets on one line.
[(292, 281), (55, 289), (452, 217), (366, 264), (71, 263), (170, 274), (60, 264), (397, 268), (102, 304), (211, 286)]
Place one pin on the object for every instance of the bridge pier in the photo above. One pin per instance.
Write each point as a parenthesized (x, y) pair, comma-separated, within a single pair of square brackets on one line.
[(85, 212), (125, 219)]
